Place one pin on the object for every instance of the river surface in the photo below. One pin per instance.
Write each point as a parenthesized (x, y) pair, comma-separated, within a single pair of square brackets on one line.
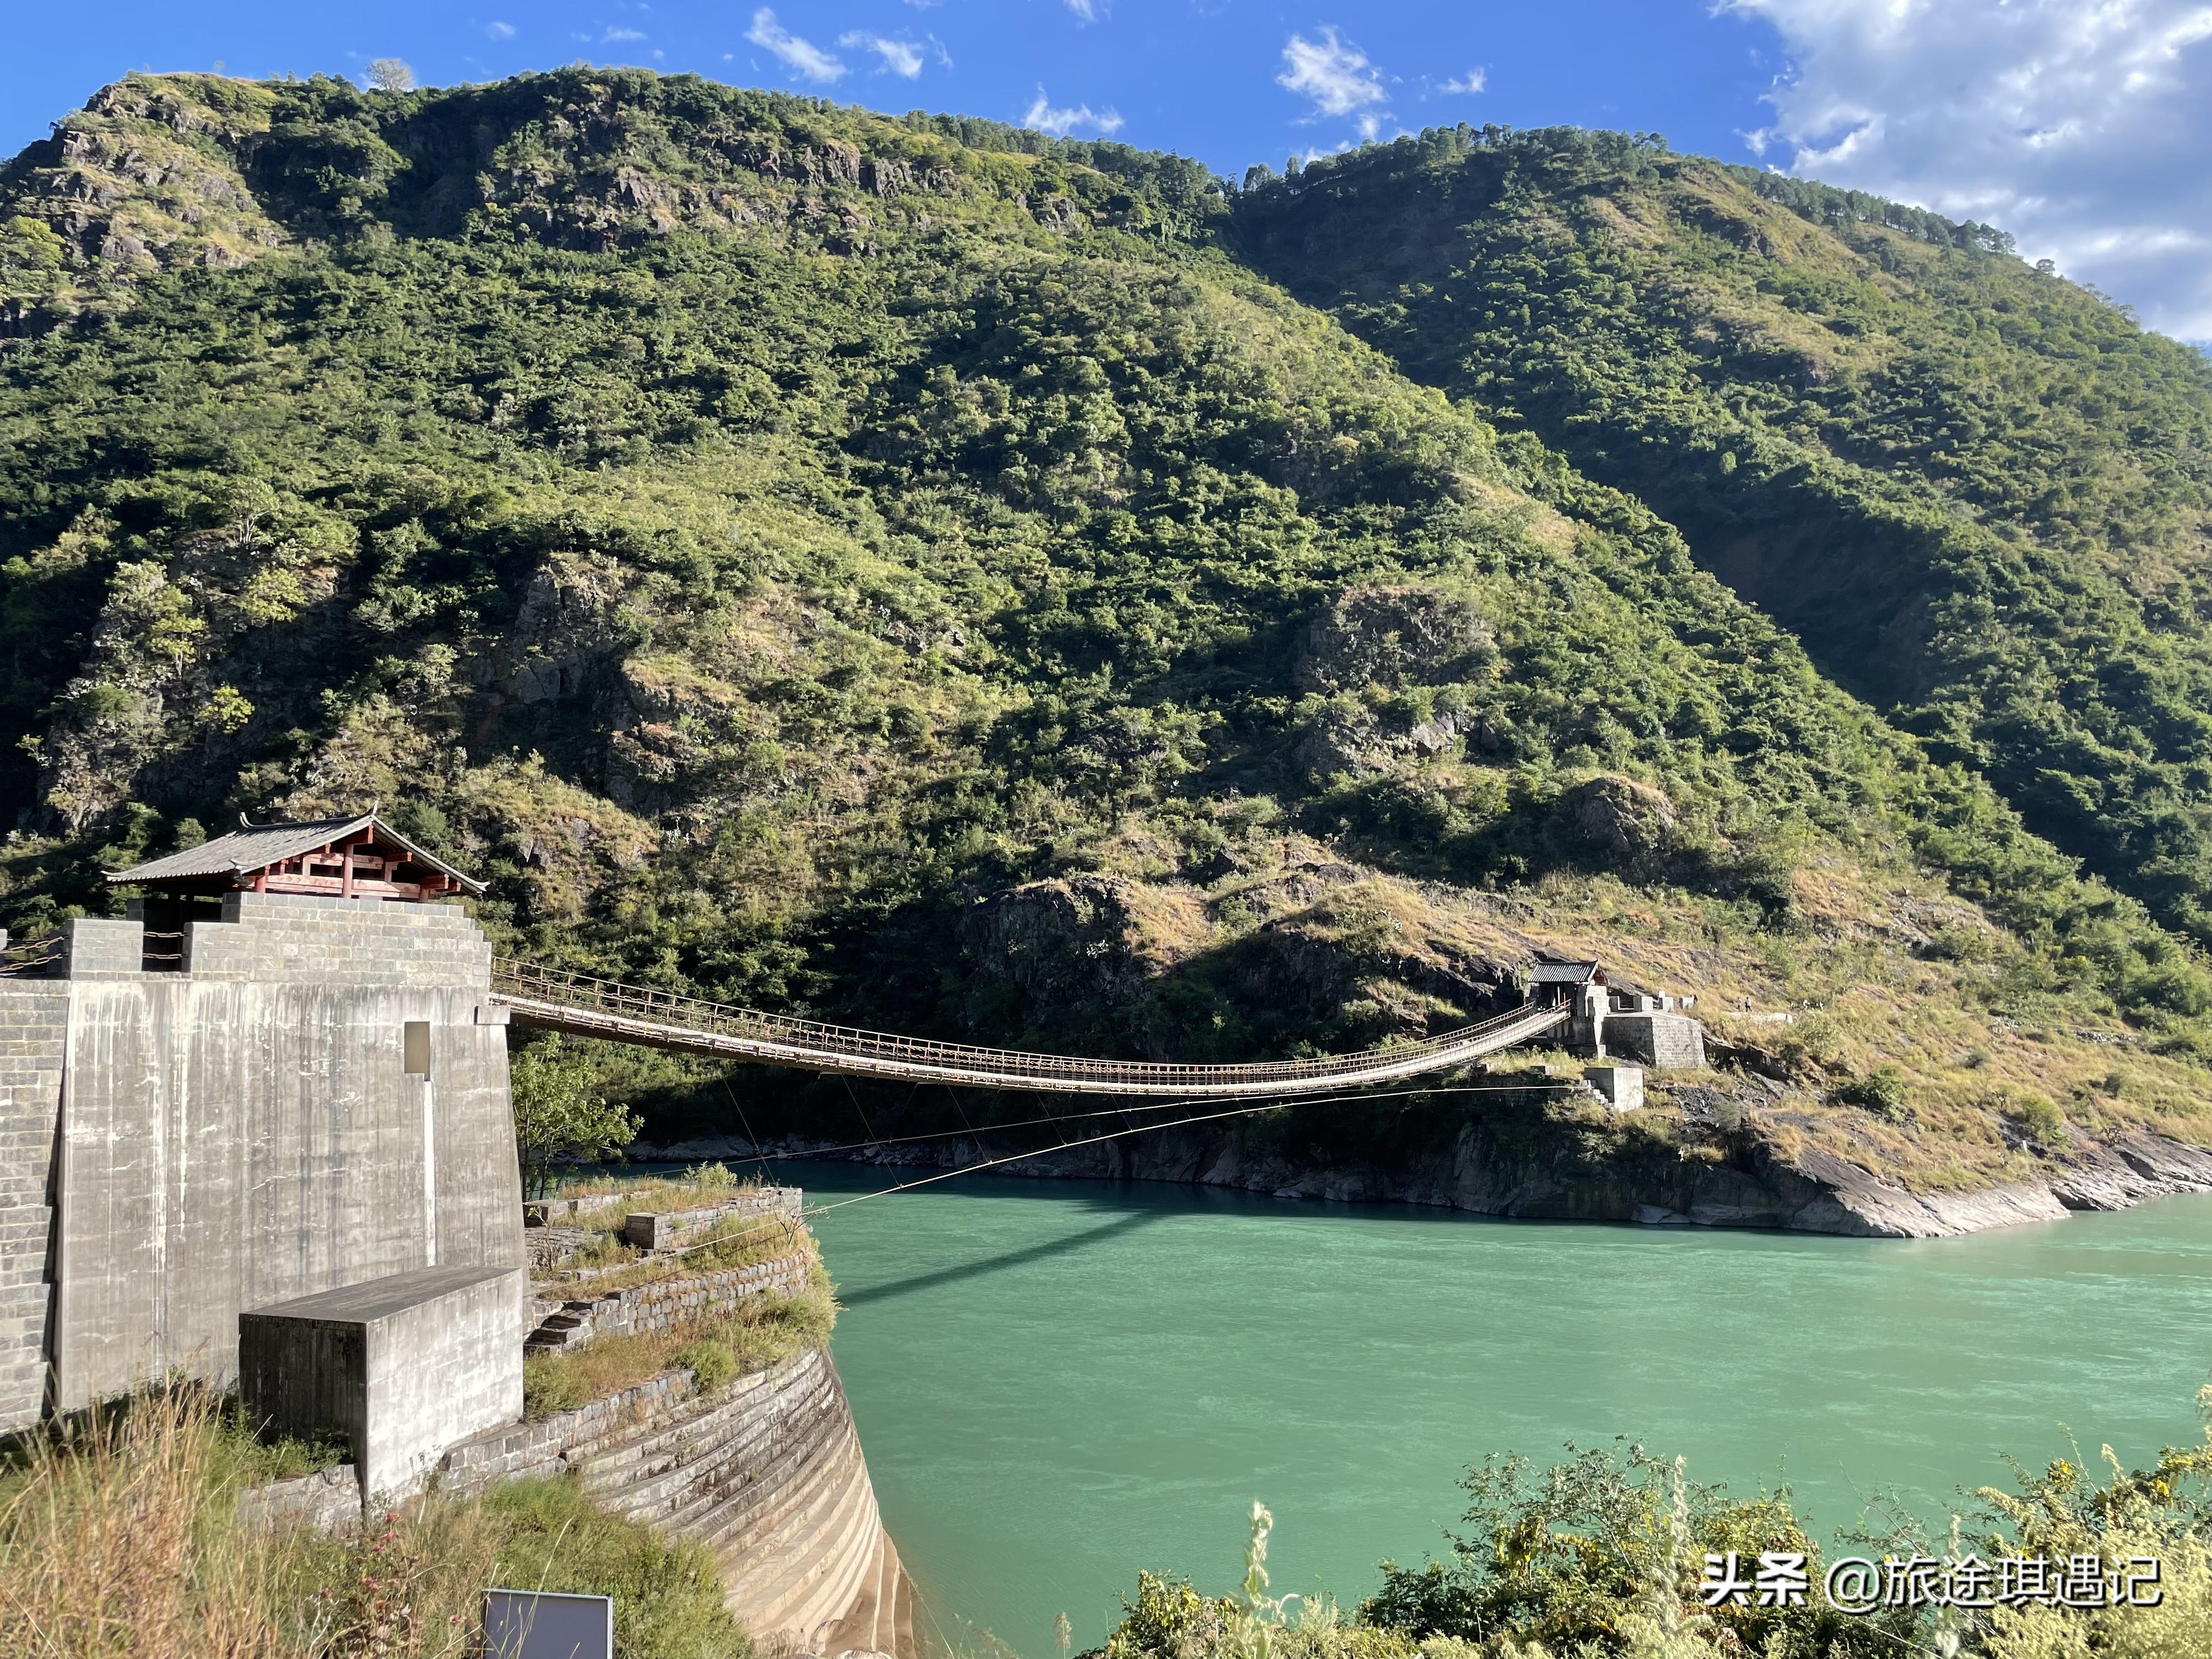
[(1059, 1382)]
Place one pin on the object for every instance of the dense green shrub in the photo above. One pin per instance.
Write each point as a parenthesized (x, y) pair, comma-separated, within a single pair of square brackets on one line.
[(2042, 1119), (1881, 1092), (1953, 473)]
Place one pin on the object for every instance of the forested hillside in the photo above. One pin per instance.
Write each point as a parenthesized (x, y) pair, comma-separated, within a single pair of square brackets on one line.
[(921, 572), (1980, 495)]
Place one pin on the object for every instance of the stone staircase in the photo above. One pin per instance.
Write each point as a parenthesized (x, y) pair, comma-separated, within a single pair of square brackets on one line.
[(33, 1039), (661, 1305)]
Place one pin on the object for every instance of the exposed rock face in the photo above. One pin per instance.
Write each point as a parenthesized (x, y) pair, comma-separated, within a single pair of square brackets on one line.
[(2121, 1173), (1070, 940), (1390, 636), (1630, 827), (1490, 1174)]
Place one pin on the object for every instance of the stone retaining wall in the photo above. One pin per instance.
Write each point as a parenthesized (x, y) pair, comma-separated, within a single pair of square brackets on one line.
[(34, 1041), (766, 1471), (325, 1500), (550, 1212), (1668, 1042), (660, 1230), (639, 1310)]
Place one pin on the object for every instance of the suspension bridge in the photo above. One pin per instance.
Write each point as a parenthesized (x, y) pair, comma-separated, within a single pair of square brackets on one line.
[(584, 1005)]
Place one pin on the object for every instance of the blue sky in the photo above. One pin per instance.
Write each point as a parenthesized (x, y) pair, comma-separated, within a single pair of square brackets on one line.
[(2084, 126)]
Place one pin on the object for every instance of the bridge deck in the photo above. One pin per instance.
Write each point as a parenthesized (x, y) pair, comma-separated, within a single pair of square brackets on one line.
[(586, 1006)]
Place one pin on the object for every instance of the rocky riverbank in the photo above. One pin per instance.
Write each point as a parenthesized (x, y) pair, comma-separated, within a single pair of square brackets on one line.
[(1751, 1181)]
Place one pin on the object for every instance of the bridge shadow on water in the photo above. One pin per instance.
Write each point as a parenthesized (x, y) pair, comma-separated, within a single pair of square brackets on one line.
[(985, 1266)]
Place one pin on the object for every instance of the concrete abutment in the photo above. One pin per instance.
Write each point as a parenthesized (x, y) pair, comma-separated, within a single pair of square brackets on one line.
[(234, 1129)]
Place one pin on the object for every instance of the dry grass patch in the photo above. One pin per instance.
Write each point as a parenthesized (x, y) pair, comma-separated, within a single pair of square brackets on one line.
[(742, 1240), (762, 1332), (121, 1541)]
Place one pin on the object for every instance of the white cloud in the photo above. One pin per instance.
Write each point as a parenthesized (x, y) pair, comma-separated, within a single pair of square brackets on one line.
[(2077, 124), (1337, 77), (1088, 10), (1061, 122), (900, 56), (1474, 81), (802, 58), (500, 31), (612, 35)]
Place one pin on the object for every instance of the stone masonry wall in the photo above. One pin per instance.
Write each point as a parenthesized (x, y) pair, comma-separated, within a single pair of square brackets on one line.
[(33, 1037), (640, 1309), (766, 1471), (1671, 1042), (661, 1230)]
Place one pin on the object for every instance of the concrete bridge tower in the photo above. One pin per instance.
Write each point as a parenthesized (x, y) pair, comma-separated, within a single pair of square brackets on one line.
[(281, 1076)]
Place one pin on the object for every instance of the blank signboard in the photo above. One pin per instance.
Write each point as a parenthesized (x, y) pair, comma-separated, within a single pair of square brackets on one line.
[(540, 1625)]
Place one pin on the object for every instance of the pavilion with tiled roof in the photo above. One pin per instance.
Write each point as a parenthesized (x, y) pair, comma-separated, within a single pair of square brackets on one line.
[(359, 857)]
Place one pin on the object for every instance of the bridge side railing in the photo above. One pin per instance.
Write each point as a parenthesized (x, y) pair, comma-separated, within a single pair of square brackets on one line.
[(590, 994)]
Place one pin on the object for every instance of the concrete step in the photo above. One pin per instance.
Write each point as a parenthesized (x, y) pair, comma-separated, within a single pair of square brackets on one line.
[(651, 1475), (821, 1580), (904, 1643), (771, 1586), (558, 1333), (622, 1448), (784, 1526), (866, 1626), (765, 1469), (782, 1485), (853, 1623)]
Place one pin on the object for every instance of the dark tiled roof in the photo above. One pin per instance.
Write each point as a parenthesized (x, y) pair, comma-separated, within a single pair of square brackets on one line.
[(1563, 972), (256, 846)]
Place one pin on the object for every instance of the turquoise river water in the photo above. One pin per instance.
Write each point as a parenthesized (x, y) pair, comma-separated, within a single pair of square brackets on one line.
[(1059, 1382)]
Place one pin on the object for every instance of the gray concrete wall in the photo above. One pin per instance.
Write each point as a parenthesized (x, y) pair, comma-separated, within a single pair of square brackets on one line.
[(245, 1133), (405, 1367), (1621, 1086), (33, 1037)]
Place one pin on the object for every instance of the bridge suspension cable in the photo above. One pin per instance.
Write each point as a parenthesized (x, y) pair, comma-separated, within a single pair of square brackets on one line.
[(585, 1006)]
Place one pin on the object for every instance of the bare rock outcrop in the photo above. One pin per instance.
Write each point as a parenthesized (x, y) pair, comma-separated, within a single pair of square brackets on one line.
[(1403, 634), (1630, 827), (1076, 940)]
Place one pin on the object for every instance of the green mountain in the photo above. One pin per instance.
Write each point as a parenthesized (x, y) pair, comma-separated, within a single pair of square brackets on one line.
[(919, 572), (1980, 495)]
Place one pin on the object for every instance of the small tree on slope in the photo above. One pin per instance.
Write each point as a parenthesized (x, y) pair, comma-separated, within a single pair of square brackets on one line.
[(558, 1116)]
